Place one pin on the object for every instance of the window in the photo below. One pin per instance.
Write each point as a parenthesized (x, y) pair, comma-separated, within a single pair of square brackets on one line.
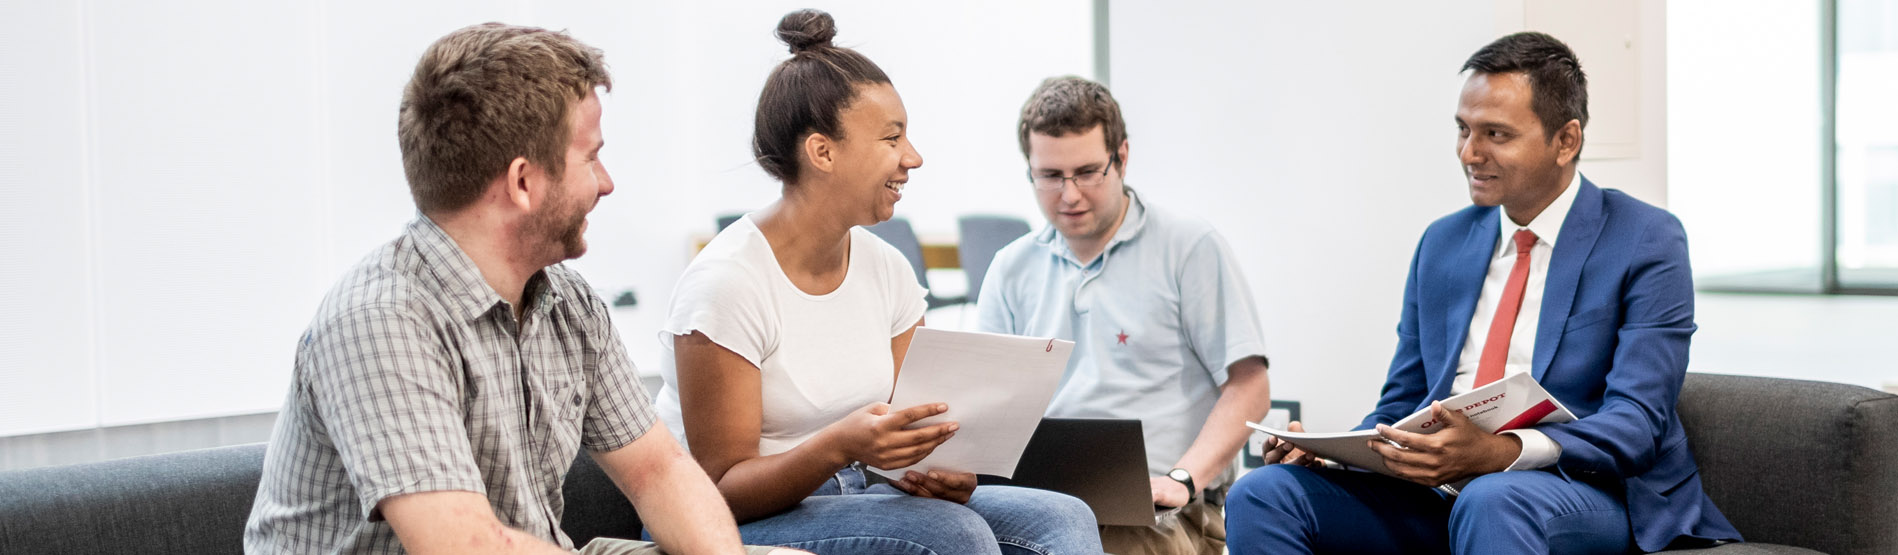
[(1783, 144), (1865, 145)]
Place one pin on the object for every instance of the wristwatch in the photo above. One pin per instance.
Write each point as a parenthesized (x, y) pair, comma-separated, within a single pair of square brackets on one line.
[(1185, 478)]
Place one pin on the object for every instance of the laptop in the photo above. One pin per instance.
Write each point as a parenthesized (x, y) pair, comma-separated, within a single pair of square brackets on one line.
[(1102, 461)]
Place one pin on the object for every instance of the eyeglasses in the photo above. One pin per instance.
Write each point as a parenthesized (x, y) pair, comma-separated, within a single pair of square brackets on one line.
[(1087, 180)]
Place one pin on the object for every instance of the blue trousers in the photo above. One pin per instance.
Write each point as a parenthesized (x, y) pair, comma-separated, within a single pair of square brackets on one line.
[(846, 516), (1283, 509)]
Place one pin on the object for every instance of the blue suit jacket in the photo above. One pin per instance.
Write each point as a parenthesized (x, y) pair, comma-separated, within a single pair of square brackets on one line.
[(1617, 313)]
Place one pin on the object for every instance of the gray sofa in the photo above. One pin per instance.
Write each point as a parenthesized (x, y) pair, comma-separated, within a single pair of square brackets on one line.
[(1790, 462), (197, 501), (1796, 462)]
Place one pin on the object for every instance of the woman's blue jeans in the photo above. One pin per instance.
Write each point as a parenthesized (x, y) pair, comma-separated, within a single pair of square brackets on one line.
[(847, 516)]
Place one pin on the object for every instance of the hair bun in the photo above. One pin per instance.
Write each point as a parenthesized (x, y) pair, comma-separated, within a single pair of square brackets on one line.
[(806, 29)]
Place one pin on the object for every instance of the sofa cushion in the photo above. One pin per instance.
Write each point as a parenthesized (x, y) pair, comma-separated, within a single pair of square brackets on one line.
[(1797, 462), (1747, 549), (188, 502)]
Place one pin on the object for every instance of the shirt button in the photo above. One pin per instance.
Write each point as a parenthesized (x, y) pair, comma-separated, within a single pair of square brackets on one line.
[(576, 399)]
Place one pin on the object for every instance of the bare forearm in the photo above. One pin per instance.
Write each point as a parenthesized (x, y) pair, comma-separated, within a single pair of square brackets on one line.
[(505, 540), (456, 522), (681, 507), (761, 486), (492, 538), (1246, 396)]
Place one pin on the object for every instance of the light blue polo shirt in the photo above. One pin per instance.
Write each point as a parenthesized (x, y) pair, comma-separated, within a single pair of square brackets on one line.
[(1156, 319)]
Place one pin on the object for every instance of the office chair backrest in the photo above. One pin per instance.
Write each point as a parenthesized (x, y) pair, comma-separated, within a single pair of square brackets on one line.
[(899, 234), (980, 238)]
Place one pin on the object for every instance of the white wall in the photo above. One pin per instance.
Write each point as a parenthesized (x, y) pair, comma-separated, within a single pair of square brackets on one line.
[(1834, 338), (188, 178), (46, 264), (167, 193), (1319, 138)]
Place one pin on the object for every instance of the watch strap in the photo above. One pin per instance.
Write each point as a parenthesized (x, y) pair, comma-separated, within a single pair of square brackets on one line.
[(1185, 478)]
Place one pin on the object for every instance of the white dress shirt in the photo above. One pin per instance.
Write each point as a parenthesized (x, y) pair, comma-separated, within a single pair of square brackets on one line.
[(1537, 449)]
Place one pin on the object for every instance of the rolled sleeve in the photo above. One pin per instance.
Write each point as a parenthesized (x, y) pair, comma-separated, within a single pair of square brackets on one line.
[(618, 409)]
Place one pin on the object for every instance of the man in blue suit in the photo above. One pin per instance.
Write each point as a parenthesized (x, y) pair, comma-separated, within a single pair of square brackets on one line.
[(1587, 289)]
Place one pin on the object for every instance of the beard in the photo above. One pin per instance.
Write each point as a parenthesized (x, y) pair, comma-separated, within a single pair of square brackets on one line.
[(561, 223)]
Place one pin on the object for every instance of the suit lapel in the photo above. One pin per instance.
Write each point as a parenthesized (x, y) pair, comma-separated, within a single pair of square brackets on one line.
[(1577, 239), (1463, 284)]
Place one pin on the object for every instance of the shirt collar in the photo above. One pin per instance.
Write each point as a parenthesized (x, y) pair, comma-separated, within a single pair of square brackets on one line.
[(461, 279), (1547, 225), (1130, 227)]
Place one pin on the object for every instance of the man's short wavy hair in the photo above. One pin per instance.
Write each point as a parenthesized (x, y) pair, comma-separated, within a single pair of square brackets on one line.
[(1069, 104), (487, 94)]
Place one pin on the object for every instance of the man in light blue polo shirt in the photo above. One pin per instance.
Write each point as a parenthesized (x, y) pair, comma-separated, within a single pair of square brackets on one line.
[(1164, 325)]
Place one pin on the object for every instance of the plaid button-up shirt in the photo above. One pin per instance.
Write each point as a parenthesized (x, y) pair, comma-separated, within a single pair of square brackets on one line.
[(416, 377)]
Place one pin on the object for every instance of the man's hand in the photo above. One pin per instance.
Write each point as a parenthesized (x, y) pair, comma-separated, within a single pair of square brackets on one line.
[(954, 487), (1168, 492), (1459, 450), (1276, 451)]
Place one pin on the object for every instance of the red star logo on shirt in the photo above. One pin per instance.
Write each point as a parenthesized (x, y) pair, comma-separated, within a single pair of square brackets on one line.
[(1122, 336)]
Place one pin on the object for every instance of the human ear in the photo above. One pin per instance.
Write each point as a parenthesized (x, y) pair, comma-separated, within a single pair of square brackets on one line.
[(1121, 153), (517, 187), (820, 150), (1568, 142)]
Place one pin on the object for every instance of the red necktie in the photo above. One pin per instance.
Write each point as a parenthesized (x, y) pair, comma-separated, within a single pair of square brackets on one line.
[(1496, 348)]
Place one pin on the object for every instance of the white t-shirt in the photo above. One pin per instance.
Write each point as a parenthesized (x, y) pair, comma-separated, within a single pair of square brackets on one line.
[(822, 356)]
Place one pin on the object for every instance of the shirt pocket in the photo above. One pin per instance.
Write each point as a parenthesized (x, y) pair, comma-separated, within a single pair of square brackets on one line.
[(564, 405)]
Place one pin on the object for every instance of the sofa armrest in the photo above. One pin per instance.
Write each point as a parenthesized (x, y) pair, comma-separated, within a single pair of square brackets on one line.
[(188, 502), (1796, 462)]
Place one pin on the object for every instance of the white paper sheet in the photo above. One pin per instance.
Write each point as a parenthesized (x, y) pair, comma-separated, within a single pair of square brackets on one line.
[(997, 388)]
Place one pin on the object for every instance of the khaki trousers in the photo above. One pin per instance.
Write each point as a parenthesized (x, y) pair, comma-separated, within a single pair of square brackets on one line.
[(614, 546), (1197, 529)]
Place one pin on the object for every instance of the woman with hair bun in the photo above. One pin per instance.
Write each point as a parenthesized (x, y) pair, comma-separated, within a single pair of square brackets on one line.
[(789, 328)]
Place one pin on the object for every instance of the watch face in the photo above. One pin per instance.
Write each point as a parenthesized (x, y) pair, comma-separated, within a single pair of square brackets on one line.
[(1180, 474)]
